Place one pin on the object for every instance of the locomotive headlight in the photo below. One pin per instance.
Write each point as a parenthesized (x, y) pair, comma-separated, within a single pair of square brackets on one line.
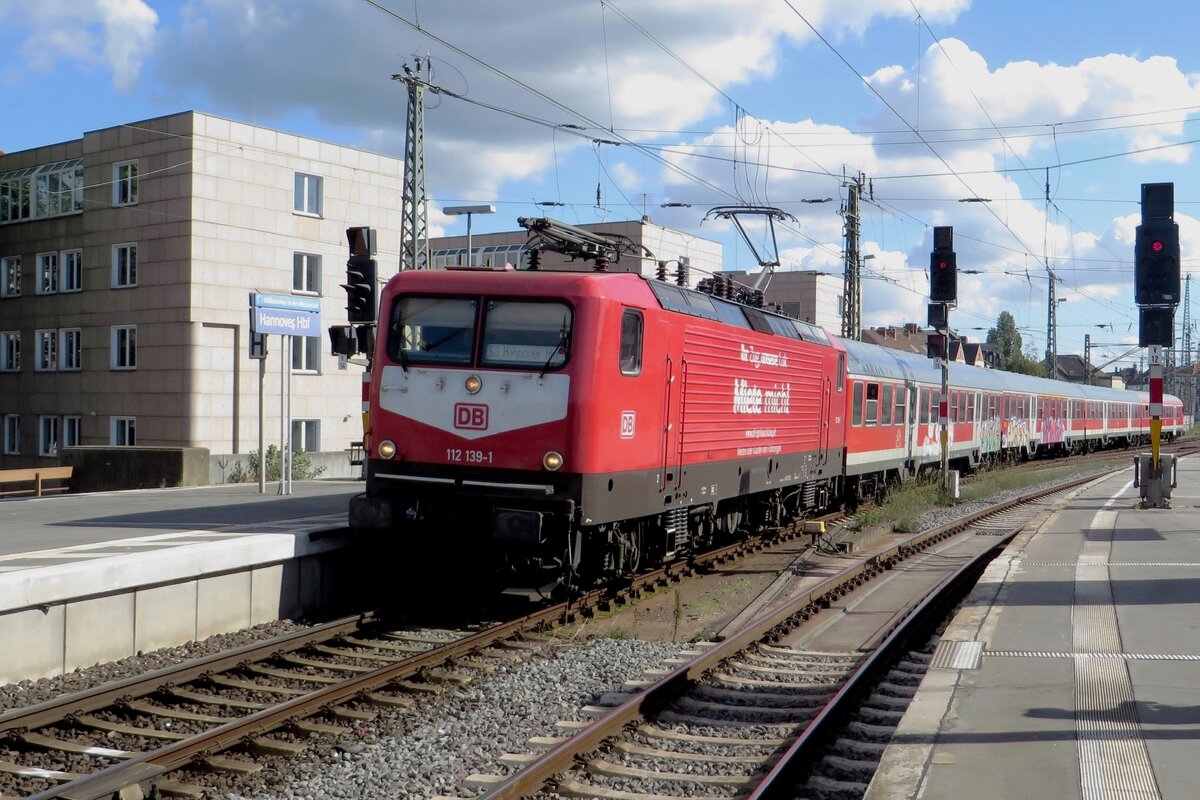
[(387, 448), (552, 460), (473, 384)]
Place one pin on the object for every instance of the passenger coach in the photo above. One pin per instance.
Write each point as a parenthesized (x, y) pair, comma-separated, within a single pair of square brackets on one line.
[(894, 427)]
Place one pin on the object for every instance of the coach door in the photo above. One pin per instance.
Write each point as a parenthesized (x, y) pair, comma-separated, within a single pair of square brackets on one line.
[(912, 431)]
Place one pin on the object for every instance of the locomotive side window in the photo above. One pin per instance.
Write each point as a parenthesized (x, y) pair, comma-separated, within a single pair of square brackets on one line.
[(841, 371), (758, 320), (520, 333), (432, 330), (856, 399), (631, 342)]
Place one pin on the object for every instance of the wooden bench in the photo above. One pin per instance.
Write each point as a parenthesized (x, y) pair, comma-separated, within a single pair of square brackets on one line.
[(36, 476)]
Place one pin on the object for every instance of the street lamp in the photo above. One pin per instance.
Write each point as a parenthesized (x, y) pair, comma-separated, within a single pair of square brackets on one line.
[(455, 211)]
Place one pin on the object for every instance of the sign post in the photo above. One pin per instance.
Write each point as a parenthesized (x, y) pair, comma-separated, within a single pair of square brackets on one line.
[(288, 316)]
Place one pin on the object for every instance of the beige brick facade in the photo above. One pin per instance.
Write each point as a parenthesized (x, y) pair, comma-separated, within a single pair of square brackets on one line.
[(214, 220)]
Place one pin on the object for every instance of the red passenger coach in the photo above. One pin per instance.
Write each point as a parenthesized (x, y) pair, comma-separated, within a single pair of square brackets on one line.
[(573, 426)]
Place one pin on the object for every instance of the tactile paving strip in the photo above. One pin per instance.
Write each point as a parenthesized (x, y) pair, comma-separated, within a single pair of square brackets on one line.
[(1114, 763), (952, 654)]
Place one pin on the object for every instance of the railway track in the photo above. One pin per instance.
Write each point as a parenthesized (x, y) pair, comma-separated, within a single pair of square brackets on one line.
[(752, 716), (268, 700), (220, 713)]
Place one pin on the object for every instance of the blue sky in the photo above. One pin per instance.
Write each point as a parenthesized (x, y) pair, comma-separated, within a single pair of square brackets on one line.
[(714, 102)]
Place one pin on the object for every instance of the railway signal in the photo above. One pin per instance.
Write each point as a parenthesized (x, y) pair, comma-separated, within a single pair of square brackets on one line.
[(1156, 290), (943, 267), (1156, 250), (361, 272)]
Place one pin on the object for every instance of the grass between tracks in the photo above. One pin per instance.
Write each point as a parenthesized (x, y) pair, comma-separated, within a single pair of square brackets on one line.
[(902, 507)]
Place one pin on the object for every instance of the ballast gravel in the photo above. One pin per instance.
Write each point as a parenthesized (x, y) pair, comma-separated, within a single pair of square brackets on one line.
[(28, 693), (426, 750)]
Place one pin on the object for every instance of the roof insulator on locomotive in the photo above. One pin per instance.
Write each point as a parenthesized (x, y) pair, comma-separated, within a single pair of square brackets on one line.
[(730, 289), (535, 258), (681, 272), (661, 273), (760, 299), (705, 285), (601, 263)]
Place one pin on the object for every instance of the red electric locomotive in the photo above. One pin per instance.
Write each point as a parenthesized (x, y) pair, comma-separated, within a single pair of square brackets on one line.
[(582, 426)]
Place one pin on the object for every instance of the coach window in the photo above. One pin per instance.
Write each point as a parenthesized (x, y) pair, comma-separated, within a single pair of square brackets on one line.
[(901, 397), (885, 407), (923, 405), (631, 342), (872, 403), (856, 398)]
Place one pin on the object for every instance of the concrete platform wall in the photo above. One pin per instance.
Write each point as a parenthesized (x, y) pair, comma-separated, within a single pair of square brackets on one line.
[(55, 637)]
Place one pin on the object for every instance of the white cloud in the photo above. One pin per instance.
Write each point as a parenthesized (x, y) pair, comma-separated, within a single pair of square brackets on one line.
[(334, 60), (118, 34), (959, 90)]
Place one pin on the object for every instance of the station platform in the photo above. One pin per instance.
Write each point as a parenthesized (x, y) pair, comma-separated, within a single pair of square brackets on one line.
[(1073, 668), (86, 578)]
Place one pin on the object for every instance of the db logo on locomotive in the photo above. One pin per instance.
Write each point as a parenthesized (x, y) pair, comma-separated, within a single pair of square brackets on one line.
[(471, 416)]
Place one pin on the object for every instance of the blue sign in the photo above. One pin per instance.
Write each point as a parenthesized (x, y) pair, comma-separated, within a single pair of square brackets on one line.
[(285, 315), (286, 301)]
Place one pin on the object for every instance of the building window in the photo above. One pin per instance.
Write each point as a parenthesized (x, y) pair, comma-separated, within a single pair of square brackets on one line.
[(306, 354), (124, 431), (72, 429), (47, 273), (10, 276), (124, 347), (308, 194), (124, 265), (12, 435), (16, 192), (125, 183), (10, 351), (306, 273), (70, 348), (47, 350), (50, 190), (70, 273), (306, 435), (47, 436)]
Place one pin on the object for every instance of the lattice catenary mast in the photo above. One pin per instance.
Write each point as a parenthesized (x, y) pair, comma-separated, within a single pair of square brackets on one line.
[(414, 222)]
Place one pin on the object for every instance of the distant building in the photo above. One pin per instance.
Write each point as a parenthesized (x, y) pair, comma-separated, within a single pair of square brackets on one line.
[(910, 338), (127, 258)]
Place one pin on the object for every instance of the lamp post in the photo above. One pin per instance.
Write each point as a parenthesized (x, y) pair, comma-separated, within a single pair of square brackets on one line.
[(455, 211)]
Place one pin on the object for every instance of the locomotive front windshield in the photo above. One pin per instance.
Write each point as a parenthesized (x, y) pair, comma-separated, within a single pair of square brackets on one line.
[(511, 333)]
